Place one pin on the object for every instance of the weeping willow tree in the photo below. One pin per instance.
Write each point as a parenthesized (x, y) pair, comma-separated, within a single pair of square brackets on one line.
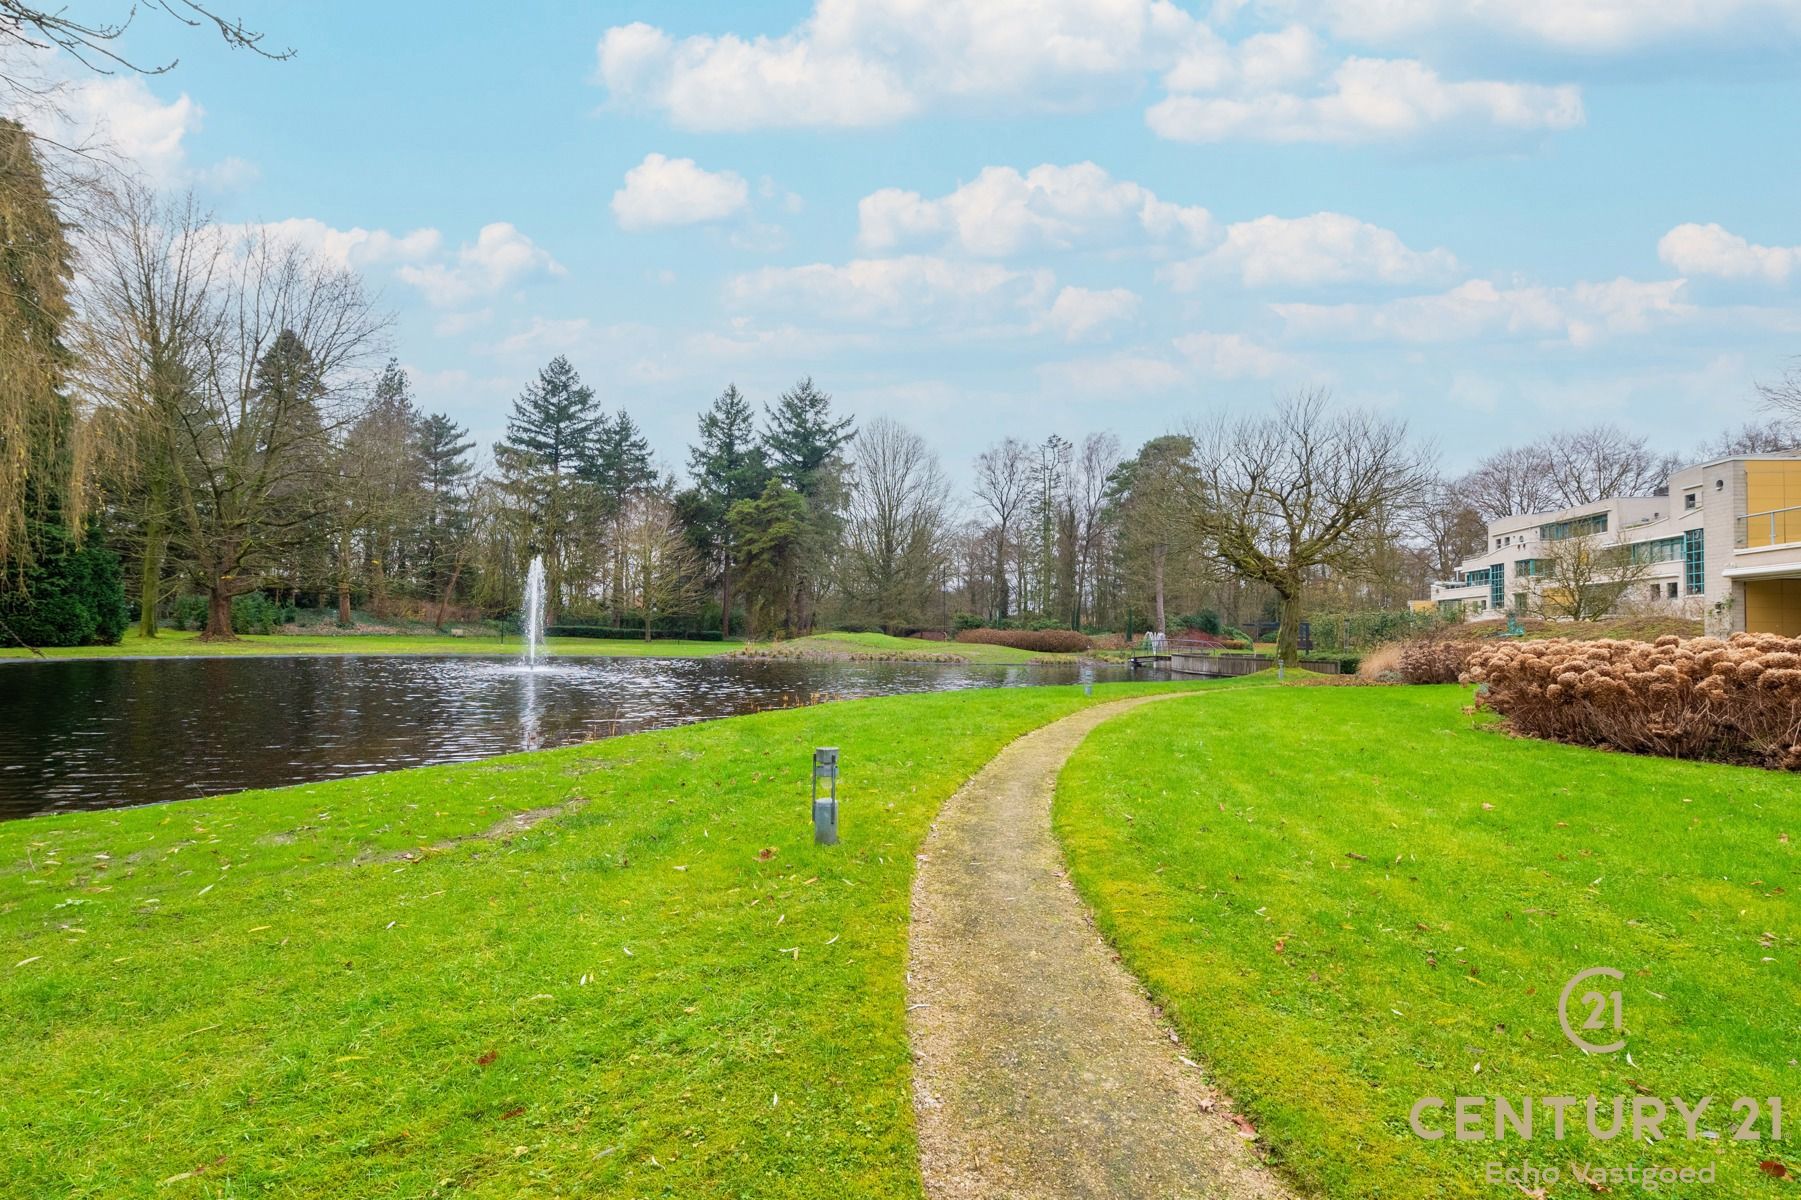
[(36, 416)]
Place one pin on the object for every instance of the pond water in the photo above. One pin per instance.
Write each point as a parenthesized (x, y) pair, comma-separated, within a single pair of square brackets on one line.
[(109, 733)]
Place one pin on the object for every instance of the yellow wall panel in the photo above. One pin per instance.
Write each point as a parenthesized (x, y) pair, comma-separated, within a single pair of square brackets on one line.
[(1772, 484), (1773, 606)]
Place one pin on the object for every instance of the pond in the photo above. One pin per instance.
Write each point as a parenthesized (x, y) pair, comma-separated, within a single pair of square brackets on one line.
[(109, 733)]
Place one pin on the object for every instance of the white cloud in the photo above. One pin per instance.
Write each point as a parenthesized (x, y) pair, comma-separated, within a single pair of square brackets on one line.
[(1581, 314), (911, 291), (1370, 100), (1002, 212), (353, 249), (1116, 375), (868, 62), (662, 192), (1260, 63), (1325, 248), (499, 257), (1581, 26), (1710, 250), (1233, 356), (1078, 313)]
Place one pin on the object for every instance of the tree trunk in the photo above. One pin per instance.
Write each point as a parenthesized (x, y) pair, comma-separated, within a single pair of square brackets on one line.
[(725, 601), (218, 613), (1288, 631), (150, 577), (1157, 559), (450, 588)]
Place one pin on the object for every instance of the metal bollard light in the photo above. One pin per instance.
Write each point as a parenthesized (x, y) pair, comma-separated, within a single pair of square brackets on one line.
[(825, 808)]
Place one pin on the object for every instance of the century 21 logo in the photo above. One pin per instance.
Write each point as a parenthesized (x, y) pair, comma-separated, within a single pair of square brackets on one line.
[(1597, 1004)]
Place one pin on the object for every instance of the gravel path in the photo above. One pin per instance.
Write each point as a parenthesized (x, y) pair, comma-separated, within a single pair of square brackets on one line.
[(1040, 1067)]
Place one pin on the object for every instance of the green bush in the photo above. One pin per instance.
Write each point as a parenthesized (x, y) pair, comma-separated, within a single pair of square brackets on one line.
[(189, 612), (1206, 621), (1363, 630), (253, 612), (70, 595), (965, 620)]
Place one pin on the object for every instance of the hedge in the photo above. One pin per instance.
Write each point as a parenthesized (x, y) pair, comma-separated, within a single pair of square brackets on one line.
[(614, 633)]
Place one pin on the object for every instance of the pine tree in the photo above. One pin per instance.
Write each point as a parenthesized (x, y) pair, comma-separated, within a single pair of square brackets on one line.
[(548, 448), (802, 441), (728, 466), (620, 468), (770, 532), (445, 469)]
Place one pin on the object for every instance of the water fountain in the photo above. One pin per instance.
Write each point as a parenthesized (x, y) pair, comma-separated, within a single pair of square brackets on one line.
[(533, 616)]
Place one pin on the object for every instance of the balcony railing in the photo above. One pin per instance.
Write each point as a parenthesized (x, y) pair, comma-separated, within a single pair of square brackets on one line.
[(1776, 527)]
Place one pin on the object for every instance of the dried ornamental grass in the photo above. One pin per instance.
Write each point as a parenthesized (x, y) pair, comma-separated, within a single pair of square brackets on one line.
[(1728, 700), (1044, 641), (1434, 660)]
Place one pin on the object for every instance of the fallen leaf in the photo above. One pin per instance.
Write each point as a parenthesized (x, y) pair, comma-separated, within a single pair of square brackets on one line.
[(487, 1058), (1773, 1169)]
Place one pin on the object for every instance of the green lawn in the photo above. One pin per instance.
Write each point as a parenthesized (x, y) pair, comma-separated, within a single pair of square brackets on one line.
[(667, 990), (838, 644), (1351, 898), (174, 642)]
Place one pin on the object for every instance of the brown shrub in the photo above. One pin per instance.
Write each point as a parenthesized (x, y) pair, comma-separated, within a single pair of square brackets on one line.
[(1737, 700), (1044, 641), (1434, 660)]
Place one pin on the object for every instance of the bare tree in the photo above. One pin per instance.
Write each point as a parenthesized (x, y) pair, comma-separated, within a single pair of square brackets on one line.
[(1601, 462), (1783, 397), (661, 565), (1004, 485), (1282, 496), (150, 329), (1583, 578), (249, 446), (1509, 483), (1095, 463), (1447, 526), (895, 533), (1773, 436)]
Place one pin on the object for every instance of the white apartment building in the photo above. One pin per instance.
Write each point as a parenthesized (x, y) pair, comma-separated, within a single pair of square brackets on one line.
[(1724, 544)]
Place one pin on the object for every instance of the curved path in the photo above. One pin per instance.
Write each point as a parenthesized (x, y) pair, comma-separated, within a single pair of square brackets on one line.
[(1040, 1067)]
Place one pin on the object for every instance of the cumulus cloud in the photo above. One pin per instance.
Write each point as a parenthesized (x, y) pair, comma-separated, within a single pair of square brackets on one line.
[(1233, 356), (868, 62), (1369, 100), (662, 192), (1581, 314), (1711, 250), (911, 291), (855, 63), (353, 249), (1325, 248), (1579, 26), (1003, 212), (1078, 313), (500, 257)]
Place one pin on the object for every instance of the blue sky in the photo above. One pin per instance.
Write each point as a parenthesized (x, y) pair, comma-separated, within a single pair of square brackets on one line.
[(984, 217)]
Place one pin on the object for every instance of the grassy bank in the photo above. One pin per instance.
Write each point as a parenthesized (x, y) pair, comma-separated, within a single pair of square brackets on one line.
[(176, 643), (380, 987), (1350, 898)]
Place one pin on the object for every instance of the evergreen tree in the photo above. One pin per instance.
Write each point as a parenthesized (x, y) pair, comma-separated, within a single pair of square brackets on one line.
[(443, 449), (620, 469), (802, 441), (769, 533), (36, 416), (728, 466), (547, 450), (803, 444)]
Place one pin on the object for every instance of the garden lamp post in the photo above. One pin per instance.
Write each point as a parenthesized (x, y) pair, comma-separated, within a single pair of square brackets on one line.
[(825, 808)]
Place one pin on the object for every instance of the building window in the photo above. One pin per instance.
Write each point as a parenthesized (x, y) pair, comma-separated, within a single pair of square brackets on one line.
[(1694, 561), (1556, 531), (1497, 586), (1672, 589), (1691, 499)]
